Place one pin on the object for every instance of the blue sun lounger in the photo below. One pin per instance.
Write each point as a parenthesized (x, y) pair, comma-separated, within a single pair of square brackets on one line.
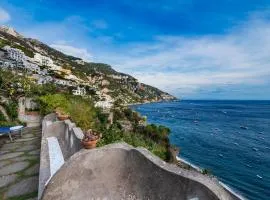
[(10, 130)]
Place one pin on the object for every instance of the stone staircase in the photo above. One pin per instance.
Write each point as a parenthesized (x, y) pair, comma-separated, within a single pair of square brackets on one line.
[(19, 165)]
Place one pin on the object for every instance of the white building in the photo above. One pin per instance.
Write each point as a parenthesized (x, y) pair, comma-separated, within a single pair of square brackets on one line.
[(31, 67), (43, 60), (15, 54), (80, 91), (7, 64), (104, 104), (64, 82), (44, 79), (55, 67)]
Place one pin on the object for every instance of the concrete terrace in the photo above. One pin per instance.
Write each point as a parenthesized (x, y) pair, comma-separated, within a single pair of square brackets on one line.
[(19, 165)]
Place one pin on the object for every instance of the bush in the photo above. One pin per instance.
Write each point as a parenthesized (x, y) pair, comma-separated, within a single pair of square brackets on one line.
[(114, 134), (4, 123), (2, 117), (49, 103), (12, 110), (206, 171), (81, 111)]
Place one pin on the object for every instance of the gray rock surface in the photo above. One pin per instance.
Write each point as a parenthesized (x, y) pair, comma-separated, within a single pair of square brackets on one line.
[(32, 170), (27, 148), (5, 180), (15, 160), (10, 155), (13, 168), (10, 146), (28, 135), (34, 152), (119, 171), (23, 187), (23, 158), (27, 139), (3, 163)]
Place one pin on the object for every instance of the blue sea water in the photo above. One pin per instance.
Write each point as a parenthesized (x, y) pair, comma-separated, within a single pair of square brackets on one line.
[(230, 138)]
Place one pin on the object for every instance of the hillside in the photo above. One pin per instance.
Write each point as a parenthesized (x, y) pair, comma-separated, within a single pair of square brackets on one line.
[(47, 65)]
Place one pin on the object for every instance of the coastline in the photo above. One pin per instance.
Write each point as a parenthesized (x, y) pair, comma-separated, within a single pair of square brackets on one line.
[(161, 101), (196, 167), (226, 187)]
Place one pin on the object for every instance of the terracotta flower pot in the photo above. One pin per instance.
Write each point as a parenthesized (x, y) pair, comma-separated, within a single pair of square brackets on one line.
[(63, 117), (89, 144)]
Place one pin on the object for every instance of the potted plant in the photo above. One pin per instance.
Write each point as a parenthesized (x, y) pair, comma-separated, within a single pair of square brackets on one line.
[(90, 139), (61, 115)]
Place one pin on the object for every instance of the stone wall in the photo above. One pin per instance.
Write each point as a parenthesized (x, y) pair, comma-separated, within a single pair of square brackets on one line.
[(69, 138), (119, 171)]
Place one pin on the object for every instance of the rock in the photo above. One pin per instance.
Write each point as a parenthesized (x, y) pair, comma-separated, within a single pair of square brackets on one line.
[(10, 146), (32, 170), (34, 152), (3, 163), (27, 139), (23, 158), (6, 180), (13, 168), (23, 187), (10, 155), (28, 135), (27, 148)]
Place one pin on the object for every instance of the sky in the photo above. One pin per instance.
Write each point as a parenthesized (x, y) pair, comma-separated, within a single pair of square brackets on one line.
[(193, 49)]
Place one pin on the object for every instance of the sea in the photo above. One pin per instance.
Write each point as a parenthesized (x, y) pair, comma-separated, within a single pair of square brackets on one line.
[(231, 139)]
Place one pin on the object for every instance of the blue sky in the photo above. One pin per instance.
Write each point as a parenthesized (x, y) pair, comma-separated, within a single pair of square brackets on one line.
[(193, 49)]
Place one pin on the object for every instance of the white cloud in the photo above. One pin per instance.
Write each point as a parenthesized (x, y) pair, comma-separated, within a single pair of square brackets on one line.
[(4, 16), (239, 57), (73, 51)]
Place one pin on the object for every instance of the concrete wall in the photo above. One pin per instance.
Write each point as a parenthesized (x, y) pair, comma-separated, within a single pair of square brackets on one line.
[(69, 138), (33, 119), (119, 171)]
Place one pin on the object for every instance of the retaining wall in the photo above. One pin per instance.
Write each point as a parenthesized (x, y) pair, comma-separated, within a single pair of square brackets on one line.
[(69, 138)]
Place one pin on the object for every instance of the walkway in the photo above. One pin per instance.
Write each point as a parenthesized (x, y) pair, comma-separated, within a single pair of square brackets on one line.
[(19, 166)]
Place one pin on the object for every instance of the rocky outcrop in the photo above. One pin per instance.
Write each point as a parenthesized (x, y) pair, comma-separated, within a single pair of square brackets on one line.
[(119, 171)]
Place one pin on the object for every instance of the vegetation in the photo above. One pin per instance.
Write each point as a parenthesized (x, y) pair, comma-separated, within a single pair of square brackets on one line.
[(86, 116), (26, 51), (2, 117), (82, 110), (11, 109), (114, 134), (206, 172)]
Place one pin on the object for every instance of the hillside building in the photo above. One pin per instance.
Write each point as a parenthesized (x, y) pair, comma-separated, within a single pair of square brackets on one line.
[(43, 60), (80, 91), (15, 54)]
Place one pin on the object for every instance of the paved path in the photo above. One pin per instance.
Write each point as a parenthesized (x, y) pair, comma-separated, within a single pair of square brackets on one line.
[(19, 166)]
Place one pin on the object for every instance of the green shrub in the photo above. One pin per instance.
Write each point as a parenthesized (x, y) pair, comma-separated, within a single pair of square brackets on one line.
[(2, 117), (50, 102), (206, 171), (114, 134), (12, 110), (5, 123), (83, 113)]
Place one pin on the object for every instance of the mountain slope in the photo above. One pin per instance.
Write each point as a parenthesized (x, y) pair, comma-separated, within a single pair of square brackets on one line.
[(109, 84)]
